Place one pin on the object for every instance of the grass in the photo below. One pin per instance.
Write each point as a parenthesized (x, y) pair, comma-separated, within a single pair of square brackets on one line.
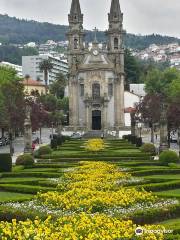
[(12, 196)]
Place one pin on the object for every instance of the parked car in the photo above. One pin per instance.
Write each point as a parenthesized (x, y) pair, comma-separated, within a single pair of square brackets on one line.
[(2, 141), (174, 137), (76, 136)]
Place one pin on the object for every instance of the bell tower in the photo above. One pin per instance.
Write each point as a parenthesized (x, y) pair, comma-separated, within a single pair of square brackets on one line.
[(115, 31), (116, 54), (76, 33), (75, 55)]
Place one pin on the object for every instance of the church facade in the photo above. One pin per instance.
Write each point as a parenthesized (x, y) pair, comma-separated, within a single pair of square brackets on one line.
[(96, 75)]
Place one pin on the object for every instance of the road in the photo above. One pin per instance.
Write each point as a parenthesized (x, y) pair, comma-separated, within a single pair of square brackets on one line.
[(19, 143), (147, 138)]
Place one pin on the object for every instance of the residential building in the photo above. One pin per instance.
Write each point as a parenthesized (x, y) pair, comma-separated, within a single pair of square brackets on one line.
[(138, 89), (18, 68), (30, 66), (33, 86)]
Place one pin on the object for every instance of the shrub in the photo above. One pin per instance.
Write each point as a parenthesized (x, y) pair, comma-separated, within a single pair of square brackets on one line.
[(138, 142), (173, 165), (5, 162), (54, 144), (168, 157), (59, 140), (44, 150), (148, 148), (25, 160)]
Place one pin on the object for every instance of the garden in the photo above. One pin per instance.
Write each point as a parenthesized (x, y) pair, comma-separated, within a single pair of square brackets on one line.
[(91, 190)]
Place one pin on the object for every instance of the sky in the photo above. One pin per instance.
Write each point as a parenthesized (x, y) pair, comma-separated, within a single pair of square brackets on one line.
[(140, 16)]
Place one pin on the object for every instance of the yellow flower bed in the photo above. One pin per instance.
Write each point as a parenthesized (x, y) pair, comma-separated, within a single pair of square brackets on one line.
[(92, 187), (95, 145), (86, 191), (76, 227)]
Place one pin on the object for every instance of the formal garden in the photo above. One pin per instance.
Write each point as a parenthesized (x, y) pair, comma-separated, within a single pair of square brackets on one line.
[(91, 189)]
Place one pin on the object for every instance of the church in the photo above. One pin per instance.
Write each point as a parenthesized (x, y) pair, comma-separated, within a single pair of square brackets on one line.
[(96, 74)]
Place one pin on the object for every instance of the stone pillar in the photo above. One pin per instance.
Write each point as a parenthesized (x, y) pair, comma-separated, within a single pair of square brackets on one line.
[(87, 117), (133, 124), (105, 117), (28, 131), (119, 102), (73, 102), (163, 128)]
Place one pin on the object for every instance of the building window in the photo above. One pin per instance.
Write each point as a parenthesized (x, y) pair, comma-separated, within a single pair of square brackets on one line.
[(76, 43), (110, 89), (116, 43), (96, 91), (82, 90)]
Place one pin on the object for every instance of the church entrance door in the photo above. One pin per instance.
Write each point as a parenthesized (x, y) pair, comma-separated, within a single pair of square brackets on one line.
[(96, 120)]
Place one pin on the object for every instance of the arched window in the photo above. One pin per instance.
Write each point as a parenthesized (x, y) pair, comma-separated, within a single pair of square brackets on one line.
[(76, 43), (116, 43), (96, 90)]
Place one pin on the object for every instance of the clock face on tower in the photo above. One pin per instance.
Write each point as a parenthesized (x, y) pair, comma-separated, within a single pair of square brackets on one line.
[(95, 52)]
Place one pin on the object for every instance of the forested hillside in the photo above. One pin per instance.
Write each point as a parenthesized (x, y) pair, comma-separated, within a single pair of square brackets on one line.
[(18, 31)]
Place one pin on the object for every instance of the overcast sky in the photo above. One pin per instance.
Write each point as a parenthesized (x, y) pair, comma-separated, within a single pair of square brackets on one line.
[(140, 16)]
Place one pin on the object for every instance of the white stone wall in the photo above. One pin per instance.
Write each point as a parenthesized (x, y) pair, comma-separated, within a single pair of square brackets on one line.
[(129, 101)]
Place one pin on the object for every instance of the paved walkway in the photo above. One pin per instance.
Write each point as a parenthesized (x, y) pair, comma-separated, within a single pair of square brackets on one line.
[(19, 143)]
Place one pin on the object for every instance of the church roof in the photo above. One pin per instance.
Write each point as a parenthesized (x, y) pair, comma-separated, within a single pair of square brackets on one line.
[(96, 60)]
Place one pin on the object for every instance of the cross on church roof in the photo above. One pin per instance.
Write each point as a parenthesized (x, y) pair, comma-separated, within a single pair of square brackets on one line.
[(95, 34)]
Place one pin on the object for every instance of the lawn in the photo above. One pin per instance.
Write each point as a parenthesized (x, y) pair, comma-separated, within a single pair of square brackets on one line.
[(12, 196)]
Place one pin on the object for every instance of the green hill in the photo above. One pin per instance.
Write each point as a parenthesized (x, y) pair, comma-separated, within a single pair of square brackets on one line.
[(21, 31)]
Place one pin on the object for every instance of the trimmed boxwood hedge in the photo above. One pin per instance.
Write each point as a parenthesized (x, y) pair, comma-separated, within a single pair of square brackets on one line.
[(25, 188), (156, 172), (5, 162), (32, 174), (155, 187), (155, 215)]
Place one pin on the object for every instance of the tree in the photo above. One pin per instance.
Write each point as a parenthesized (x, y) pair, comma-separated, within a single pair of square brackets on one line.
[(158, 82), (132, 68), (46, 66), (49, 102), (58, 87), (174, 90), (12, 105), (150, 111)]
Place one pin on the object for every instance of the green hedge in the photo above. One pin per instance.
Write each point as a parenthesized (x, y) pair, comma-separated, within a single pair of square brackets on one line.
[(155, 215), (156, 172), (25, 160), (169, 157), (24, 188), (32, 174), (155, 187), (5, 162), (7, 214)]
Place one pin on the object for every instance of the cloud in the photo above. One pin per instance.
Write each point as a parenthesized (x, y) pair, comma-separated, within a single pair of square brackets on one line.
[(140, 16)]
